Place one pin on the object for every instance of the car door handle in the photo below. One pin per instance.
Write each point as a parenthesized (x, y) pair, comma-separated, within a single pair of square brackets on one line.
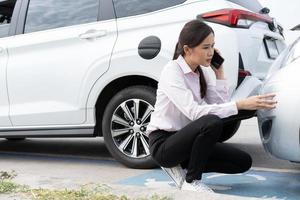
[(93, 34)]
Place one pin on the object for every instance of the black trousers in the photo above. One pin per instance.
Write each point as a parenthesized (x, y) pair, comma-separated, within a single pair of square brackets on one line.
[(197, 149)]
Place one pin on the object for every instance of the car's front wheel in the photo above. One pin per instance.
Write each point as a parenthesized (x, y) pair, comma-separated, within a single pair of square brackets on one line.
[(124, 126)]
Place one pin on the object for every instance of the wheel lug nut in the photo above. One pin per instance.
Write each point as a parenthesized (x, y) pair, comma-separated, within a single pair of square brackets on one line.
[(131, 123), (131, 131)]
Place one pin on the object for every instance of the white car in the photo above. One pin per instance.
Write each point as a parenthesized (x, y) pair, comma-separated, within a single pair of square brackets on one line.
[(279, 128), (89, 68)]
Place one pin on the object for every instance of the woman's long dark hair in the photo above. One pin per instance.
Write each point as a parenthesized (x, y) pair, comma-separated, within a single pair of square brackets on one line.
[(192, 34)]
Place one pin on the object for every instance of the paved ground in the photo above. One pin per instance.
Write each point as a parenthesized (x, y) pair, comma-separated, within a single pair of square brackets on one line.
[(57, 163)]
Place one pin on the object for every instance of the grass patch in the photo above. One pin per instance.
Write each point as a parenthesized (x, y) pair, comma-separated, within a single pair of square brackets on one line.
[(87, 192), (6, 185), (84, 193)]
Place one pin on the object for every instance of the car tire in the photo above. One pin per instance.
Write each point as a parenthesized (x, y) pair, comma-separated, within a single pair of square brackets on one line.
[(231, 129), (129, 145)]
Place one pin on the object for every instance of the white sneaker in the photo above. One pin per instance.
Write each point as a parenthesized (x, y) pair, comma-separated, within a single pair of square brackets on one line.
[(176, 174), (196, 185)]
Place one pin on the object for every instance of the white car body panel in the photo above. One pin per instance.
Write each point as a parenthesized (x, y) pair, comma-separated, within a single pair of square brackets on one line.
[(249, 87), (49, 71), (254, 48), (4, 103), (280, 128)]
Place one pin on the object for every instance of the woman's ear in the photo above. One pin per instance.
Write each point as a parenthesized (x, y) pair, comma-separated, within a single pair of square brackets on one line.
[(186, 50)]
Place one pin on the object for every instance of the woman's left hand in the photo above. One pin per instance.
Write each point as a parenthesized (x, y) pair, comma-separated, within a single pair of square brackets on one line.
[(219, 72)]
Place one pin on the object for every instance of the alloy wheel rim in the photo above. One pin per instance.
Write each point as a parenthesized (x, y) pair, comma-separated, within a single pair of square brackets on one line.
[(128, 127)]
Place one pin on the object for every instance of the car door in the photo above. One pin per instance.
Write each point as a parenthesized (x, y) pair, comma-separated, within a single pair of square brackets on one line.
[(62, 42), (4, 105), (7, 8)]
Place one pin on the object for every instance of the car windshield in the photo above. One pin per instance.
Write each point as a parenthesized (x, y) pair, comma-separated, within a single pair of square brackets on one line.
[(252, 5)]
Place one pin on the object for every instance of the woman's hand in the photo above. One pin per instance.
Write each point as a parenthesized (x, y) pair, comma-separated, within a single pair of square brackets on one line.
[(264, 101), (219, 72)]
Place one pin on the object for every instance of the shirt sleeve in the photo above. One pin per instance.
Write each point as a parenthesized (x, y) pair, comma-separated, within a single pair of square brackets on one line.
[(173, 85), (217, 93)]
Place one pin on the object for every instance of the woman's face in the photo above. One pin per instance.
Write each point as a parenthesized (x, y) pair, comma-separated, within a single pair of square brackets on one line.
[(203, 53)]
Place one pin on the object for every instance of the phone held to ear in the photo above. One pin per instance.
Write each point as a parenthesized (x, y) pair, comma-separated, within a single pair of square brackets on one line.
[(217, 60)]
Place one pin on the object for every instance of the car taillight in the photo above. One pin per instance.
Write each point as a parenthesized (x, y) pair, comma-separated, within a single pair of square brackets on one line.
[(244, 73), (242, 76), (235, 18)]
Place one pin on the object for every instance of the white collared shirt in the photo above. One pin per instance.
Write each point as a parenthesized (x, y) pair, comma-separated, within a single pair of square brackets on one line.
[(178, 99)]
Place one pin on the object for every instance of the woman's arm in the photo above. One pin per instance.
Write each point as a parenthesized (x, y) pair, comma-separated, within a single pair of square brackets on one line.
[(173, 85), (217, 87)]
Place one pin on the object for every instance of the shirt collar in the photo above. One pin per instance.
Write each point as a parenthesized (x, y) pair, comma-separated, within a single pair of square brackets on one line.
[(184, 66)]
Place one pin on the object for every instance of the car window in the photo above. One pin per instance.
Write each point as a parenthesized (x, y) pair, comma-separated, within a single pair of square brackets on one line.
[(49, 14), (6, 11), (252, 5), (125, 8)]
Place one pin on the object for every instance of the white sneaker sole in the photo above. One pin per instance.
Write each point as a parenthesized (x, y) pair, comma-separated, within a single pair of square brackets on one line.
[(178, 182)]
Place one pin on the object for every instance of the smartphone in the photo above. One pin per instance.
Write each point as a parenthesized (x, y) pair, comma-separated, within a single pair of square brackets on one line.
[(217, 60)]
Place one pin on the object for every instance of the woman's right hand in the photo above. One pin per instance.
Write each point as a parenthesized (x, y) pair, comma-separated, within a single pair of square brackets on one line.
[(264, 101)]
